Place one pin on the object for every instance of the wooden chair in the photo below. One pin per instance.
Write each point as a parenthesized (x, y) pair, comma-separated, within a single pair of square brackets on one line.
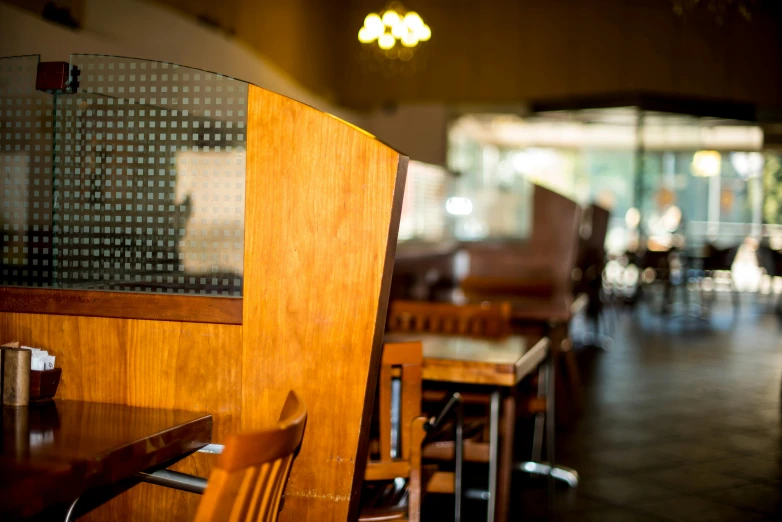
[(481, 320), (400, 457), (488, 320), (476, 320), (249, 479)]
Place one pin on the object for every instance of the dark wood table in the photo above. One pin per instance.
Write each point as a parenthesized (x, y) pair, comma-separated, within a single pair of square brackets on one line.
[(550, 316), (499, 364), (53, 453)]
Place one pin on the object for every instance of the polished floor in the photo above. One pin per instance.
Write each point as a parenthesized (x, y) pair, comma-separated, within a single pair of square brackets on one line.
[(681, 422)]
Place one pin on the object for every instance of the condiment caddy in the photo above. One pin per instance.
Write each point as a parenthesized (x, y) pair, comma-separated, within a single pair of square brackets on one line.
[(19, 383)]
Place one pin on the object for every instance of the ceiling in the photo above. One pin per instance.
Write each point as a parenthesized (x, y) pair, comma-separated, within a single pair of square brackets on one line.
[(508, 52)]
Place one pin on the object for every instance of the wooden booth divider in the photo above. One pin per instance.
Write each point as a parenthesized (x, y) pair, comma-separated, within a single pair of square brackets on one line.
[(323, 201)]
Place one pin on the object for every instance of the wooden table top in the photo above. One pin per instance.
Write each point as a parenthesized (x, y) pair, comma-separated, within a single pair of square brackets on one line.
[(468, 360), (52, 453)]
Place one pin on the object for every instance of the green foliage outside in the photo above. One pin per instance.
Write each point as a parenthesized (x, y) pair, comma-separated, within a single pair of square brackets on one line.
[(772, 188)]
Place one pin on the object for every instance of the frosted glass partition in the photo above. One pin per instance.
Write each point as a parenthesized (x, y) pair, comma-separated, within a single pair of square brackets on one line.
[(135, 182), (26, 138)]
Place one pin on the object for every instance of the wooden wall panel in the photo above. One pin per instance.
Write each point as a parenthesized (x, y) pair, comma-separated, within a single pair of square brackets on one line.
[(92, 353), (323, 203), (161, 364), (122, 305)]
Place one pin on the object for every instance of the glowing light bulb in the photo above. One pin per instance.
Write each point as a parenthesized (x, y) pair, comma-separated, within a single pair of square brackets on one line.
[(409, 40), (374, 23), (423, 33), (391, 25), (399, 31), (378, 31), (386, 41), (391, 18), (413, 20), (365, 35)]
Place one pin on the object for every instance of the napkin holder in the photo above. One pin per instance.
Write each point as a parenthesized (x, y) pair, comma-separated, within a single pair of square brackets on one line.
[(43, 384)]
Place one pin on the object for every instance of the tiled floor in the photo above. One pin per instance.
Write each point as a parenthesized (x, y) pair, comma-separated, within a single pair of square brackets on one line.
[(681, 423)]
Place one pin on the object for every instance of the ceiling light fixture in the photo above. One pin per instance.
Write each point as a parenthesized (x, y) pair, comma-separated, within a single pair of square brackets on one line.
[(394, 25)]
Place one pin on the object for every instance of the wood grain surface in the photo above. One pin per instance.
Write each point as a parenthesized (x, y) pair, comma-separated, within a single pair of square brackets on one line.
[(323, 204), (466, 360), (86, 445), (158, 364), (249, 479), (124, 305), (323, 201)]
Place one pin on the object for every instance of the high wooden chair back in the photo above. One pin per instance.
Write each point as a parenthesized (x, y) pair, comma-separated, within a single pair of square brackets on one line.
[(542, 265), (402, 362), (248, 481), (477, 320)]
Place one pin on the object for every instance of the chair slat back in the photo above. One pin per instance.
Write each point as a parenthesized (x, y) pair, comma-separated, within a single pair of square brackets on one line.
[(476, 320), (248, 481), (401, 361)]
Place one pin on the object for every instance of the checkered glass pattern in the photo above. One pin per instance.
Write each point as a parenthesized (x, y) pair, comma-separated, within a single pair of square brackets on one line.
[(26, 118), (145, 180)]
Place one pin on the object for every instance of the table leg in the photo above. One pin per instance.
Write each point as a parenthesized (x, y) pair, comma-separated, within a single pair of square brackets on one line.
[(565, 474), (494, 435), (547, 389), (506, 462), (540, 417), (562, 355)]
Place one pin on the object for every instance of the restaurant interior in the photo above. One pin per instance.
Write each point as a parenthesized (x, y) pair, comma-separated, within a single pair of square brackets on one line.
[(412, 260)]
